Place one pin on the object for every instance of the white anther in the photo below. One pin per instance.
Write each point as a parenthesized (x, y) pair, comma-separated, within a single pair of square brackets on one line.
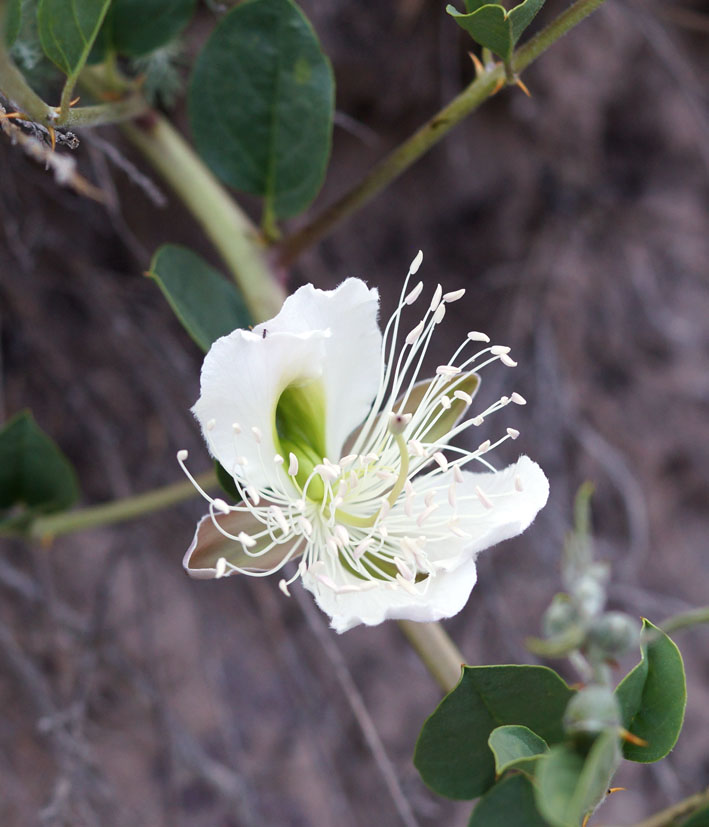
[(360, 548), (384, 509), (445, 402), (426, 513), (463, 396), (328, 473), (447, 370), (484, 446), (416, 448), (404, 570), (332, 545), (348, 460), (454, 295), (258, 436), (182, 455), (451, 495), (507, 360), (293, 464), (279, 517), (504, 400), (220, 568), (242, 461), (211, 424), (518, 399), (341, 534), (306, 525), (253, 494), (477, 420), (440, 458), (482, 496), (518, 483), (299, 504), (352, 480), (416, 263), (455, 529), (386, 476), (439, 314), (370, 458), (407, 585), (415, 333), (457, 474), (220, 505), (283, 586), (428, 499), (383, 532), (414, 294), (477, 336), (512, 433), (245, 539), (326, 581), (436, 300), (278, 459), (236, 427)]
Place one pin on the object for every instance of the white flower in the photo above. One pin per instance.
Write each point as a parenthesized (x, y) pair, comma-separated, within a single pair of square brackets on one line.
[(342, 458)]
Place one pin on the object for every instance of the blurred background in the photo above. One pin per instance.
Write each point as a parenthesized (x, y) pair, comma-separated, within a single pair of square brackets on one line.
[(578, 221)]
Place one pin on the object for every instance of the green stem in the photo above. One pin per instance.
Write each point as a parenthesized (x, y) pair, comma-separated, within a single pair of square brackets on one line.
[(228, 227), (429, 134), (437, 651), (46, 528), (686, 619), (671, 816)]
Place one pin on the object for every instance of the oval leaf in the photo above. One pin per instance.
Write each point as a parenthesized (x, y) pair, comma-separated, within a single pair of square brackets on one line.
[(34, 474), (569, 785), (521, 16), (261, 104), (452, 753), (13, 21), (652, 698), (137, 27), (67, 30), (508, 804), (489, 26), (514, 746), (206, 303)]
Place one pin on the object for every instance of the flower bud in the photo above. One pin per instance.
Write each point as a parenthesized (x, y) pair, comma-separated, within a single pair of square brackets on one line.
[(614, 634), (559, 617), (590, 595), (591, 711)]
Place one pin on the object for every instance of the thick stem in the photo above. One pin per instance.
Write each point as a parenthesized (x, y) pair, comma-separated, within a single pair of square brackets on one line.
[(430, 133), (46, 528), (228, 227), (670, 816), (694, 617), (437, 651)]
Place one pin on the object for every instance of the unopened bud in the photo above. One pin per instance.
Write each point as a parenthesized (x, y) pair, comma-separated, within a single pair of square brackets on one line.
[(559, 617), (590, 596), (614, 634), (591, 711)]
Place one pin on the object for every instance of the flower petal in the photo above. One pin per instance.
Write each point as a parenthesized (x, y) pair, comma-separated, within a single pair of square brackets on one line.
[(209, 544), (350, 365), (243, 376), (447, 593)]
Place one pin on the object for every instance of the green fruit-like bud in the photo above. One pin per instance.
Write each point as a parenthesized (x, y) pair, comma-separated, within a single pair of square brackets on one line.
[(591, 711), (559, 617), (590, 595), (614, 634)]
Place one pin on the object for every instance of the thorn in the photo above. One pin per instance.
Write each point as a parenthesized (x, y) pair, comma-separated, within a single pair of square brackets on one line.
[(585, 819), (632, 739), (500, 83), (523, 87), (479, 68), (612, 790), (52, 136), (75, 101), (8, 115)]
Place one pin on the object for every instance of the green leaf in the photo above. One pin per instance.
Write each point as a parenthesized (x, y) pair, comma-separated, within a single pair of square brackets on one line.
[(206, 303), (652, 698), (698, 819), (569, 785), (515, 747), (226, 481), (67, 30), (137, 27), (452, 753), (261, 103), (35, 476), (492, 26), (510, 803), (13, 21)]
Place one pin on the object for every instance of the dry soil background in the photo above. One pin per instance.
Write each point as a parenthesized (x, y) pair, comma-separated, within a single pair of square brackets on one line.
[(577, 219)]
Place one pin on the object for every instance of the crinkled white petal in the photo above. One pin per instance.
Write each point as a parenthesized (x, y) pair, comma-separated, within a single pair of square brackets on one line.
[(350, 364), (243, 376), (447, 593)]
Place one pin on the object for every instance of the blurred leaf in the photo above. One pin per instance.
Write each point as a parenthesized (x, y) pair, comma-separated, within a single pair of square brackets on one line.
[(67, 30), (35, 476), (206, 303), (13, 21), (493, 27), (515, 747), (452, 753), (569, 785), (510, 803), (698, 819), (226, 481), (261, 104), (137, 27), (652, 698)]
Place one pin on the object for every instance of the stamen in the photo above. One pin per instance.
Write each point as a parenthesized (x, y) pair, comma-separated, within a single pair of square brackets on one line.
[(220, 505), (414, 333), (253, 494), (439, 314), (220, 568), (451, 494), (440, 458), (477, 420), (445, 402), (414, 294), (283, 586), (256, 431), (477, 336), (293, 465), (447, 370), (454, 295), (512, 433), (436, 300), (457, 474), (484, 446), (518, 399), (278, 459), (426, 513), (506, 360), (211, 424), (482, 496), (245, 539), (236, 427), (416, 263), (305, 525), (499, 350), (342, 534), (464, 397)]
